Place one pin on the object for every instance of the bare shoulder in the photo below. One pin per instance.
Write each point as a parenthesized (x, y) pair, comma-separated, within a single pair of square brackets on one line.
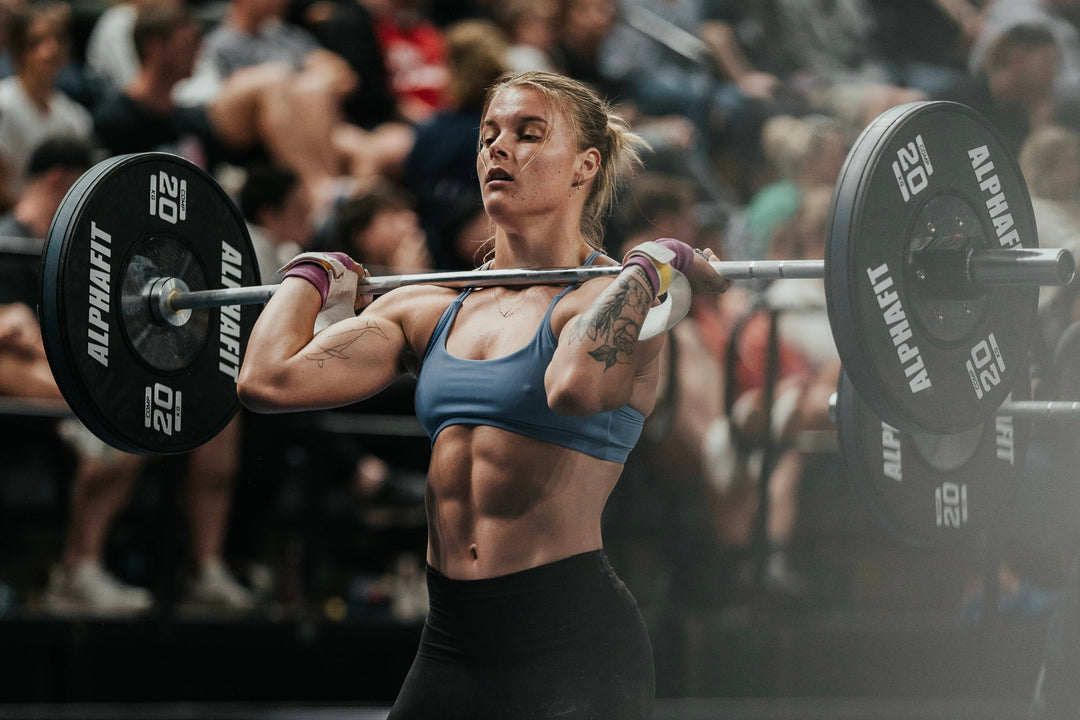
[(415, 308)]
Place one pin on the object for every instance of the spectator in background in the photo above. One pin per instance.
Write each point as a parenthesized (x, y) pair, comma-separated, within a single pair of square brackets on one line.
[(253, 32), (31, 107), (53, 168), (140, 115), (585, 28), (414, 51), (1050, 163), (1014, 84), (803, 152), (277, 209), (833, 62), (530, 26), (111, 56), (659, 522), (924, 43), (441, 168), (253, 116), (381, 229), (808, 370), (347, 28)]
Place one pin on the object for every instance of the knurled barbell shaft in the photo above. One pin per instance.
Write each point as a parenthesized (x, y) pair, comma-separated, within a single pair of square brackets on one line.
[(987, 267), (736, 270)]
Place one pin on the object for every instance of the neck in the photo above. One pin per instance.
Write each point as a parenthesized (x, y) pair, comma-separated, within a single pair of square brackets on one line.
[(542, 247)]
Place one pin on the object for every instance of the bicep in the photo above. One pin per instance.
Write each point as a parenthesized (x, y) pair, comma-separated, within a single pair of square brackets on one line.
[(286, 369)]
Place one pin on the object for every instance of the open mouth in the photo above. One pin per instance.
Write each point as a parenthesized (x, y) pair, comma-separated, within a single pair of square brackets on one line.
[(498, 174)]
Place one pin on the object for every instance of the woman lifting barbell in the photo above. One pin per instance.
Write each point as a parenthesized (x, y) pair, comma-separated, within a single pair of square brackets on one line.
[(532, 396)]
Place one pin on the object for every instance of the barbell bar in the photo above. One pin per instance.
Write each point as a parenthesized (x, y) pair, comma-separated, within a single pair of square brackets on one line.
[(984, 269)]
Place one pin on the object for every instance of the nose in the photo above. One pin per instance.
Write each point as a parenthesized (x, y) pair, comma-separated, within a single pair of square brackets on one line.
[(495, 149)]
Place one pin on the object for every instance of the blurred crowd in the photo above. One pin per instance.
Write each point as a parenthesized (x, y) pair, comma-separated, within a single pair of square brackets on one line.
[(352, 125)]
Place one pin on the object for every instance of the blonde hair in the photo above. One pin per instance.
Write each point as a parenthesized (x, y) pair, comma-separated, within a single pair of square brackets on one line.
[(789, 142), (594, 125), (1042, 153), (476, 52)]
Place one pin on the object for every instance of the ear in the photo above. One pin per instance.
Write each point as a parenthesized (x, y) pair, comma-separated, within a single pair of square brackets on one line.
[(587, 165)]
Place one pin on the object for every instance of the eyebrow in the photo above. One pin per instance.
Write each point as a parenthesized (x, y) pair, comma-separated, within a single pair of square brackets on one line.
[(521, 121)]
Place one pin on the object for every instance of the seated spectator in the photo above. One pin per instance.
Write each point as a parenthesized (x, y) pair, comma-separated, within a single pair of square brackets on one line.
[(253, 115), (807, 374), (924, 43), (381, 229), (31, 107), (347, 28), (441, 167), (530, 27), (803, 152), (414, 51), (680, 479), (253, 32), (24, 371), (111, 57), (1013, 87), (1050, 163), (831, 59), (277, 209), (585, 29), (105, 477)]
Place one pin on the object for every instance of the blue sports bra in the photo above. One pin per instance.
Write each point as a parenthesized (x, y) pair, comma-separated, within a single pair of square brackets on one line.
[(508, 393)]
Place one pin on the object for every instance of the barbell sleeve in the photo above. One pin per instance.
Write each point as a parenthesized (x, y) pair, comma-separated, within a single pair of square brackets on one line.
[(1022, 266)]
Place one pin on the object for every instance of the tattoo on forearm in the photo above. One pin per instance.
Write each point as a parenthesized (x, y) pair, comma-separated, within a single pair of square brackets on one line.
[(339, 350), (614, 320)]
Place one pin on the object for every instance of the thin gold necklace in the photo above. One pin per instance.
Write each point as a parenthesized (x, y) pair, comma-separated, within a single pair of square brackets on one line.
[(514, 307)]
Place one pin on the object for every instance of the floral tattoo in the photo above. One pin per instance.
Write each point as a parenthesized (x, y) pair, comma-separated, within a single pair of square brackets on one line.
[(613, 322), (338, 350)]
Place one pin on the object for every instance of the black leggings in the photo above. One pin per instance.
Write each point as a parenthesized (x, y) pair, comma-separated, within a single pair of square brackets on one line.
[(563, 640)]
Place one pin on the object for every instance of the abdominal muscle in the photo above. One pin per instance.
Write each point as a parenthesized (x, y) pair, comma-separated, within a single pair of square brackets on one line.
[(498, 502)]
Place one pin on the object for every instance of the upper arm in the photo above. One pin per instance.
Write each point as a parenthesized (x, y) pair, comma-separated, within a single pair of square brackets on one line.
[(285, 368), (599, 364)]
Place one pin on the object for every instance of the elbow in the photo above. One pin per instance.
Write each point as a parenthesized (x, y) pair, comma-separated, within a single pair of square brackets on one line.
[(257, 391)]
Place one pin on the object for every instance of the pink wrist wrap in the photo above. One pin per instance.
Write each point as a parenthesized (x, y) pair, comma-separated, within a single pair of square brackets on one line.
[(317, 273)]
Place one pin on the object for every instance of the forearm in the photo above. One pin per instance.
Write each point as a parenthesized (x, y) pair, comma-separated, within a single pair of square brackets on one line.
[(729, 57), (594, 367)]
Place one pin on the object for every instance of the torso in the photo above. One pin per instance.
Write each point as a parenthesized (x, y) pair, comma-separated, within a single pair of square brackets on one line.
[(499, 502)]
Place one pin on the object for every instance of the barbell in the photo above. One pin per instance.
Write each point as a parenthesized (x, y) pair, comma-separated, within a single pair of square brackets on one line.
[(150, 286)]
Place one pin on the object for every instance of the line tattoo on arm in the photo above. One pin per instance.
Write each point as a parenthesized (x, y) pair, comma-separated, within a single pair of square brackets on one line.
[(339, 350), (613, 321)]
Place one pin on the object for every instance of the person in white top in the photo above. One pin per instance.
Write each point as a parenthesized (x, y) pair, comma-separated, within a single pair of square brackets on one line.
[(32, 109)]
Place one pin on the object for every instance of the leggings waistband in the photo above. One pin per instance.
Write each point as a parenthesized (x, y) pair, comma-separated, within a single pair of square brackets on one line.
[(562, 599)]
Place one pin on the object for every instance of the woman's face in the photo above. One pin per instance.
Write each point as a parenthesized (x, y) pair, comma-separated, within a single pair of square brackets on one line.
[(46, 48), (528, 159)]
